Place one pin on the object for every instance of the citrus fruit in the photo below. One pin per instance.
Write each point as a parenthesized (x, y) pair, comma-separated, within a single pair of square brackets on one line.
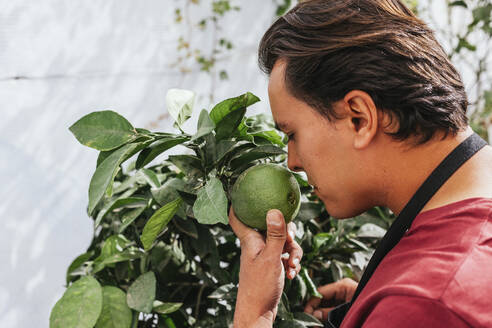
[(264, 187)]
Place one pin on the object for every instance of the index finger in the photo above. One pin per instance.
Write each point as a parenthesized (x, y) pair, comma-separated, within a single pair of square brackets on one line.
[(240, 229), (292, 229), (333, 291)]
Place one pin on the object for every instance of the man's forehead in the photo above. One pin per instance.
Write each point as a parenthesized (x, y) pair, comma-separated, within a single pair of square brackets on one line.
[(277, 78)]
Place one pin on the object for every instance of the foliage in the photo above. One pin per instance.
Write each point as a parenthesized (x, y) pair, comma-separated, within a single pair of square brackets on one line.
[(163, 254), (208, 24), (471, 48)]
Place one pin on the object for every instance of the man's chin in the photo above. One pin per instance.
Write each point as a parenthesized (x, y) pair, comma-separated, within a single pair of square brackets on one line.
[(341, 213)]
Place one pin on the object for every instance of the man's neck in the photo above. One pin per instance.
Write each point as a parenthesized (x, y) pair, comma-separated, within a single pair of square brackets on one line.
[(414, 165)]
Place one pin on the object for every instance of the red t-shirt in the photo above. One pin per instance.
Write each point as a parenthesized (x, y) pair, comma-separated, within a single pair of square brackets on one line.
[(438, 275)]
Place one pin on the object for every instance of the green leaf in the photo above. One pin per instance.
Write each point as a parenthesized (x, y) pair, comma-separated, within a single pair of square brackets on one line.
[(128, 184), (205, 125), (224, 292), (187, 226), (322, 238), (170, 323), (179, 103), (115, 312), (188, 164), (483, 13), (151, 178), (254, 154), (305, 320), (128, 254), (116, 248), (290, 323), (158, 222), (129, 217), (259, 122), (143, 131), (463, 43), (223, 147), (311, 287), (300, 288), (103, 130), (211, 204), (261, 127), (168, 191), (160, 146), (360, 259), (309, 211), (141, 293), (77, 263), (283, 7), (189, 198), (242, 131), (160, 256), (357, 243), (205, 244), (237, 150), (370, 230), (119, 203), (271, 136), (210, 151), (165, 308), (228, 125), (336, 270), (283, 309), (458, 3), (104, 175), (229, 105), (113, 245), (80, 305)]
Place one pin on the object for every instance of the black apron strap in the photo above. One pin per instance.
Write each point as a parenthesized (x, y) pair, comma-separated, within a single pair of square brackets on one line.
[(436, 179)]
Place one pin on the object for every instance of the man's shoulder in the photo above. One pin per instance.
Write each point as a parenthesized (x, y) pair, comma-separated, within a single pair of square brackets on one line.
[(439, 244), (445, 257)]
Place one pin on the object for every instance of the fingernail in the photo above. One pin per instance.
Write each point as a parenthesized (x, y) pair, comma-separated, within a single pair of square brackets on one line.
[(295, 261), (273, 219), (285, 256), (318, 314), (292, 273)]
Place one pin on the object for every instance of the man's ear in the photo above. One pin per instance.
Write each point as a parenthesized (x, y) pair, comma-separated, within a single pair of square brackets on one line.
[(362, 117)]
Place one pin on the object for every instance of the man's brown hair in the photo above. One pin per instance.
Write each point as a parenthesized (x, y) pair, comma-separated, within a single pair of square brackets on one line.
[(378, 46)]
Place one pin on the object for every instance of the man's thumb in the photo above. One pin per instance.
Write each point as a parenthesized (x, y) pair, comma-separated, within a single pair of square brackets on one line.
[(276, 232)]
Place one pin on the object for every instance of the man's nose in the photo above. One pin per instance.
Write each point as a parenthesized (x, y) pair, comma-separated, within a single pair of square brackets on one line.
[(293, 162)]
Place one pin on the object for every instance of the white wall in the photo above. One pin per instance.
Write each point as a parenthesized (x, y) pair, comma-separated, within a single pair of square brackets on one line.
[(74, 57)]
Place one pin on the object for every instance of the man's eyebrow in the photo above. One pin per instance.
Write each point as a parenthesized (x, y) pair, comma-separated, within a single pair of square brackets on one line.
[(280, 126)]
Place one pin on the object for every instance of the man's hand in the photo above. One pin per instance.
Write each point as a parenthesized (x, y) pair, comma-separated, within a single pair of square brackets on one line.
[(335, 293), (263, 267)]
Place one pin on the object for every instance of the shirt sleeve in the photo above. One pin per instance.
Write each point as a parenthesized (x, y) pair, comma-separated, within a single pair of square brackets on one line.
[(404, 311)]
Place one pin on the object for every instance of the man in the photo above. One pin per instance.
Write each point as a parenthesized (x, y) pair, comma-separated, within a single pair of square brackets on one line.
[(372, 105)]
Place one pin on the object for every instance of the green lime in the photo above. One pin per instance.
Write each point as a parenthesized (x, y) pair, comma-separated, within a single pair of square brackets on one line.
[(264, 187)]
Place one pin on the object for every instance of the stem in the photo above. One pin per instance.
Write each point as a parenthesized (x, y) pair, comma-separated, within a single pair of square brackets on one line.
[(324, 222), (213, 58), (181, 285), (135, 319), (381, 214), (143, 264), (197, 306)]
